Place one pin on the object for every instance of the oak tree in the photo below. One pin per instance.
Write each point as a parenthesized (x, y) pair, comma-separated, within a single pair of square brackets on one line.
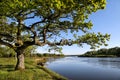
[(48, 22)]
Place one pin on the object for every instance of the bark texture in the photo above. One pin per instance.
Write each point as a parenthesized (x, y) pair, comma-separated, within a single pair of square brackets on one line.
[(20, 61)]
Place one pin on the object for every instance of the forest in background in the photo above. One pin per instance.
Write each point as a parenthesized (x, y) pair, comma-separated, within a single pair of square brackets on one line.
[(29, 52), (111, 52)]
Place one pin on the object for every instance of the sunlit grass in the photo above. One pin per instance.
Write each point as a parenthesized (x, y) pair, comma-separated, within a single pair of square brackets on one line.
[(32, 71)]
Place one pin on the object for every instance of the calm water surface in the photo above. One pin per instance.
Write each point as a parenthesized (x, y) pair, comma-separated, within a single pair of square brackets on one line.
[(81, 68)]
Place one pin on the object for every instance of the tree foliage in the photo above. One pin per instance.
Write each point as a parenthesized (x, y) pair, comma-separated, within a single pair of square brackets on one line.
[(53, 18), (48, 22)]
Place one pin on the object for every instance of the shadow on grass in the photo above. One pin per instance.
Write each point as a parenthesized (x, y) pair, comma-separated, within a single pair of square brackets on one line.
[(7, 67)]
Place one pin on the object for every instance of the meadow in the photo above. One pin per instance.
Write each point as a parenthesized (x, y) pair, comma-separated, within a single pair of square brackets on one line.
[(32, 71)]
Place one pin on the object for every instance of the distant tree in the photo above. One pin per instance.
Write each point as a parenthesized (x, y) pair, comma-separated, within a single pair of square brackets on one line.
[(6, 51), (104, 52), (30, 50), (47, 22)]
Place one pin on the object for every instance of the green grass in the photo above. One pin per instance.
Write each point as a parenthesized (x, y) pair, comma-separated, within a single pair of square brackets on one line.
[(32, 71)]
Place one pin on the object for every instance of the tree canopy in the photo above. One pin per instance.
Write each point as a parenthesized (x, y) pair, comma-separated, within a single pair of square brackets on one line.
[(47, 22), (53, 18)]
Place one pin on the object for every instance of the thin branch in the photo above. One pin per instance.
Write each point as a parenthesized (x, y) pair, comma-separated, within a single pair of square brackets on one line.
[(30, 17), (33, 25), (42, 21), (29, 12)]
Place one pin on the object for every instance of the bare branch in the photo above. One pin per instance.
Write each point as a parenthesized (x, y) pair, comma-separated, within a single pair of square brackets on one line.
[(33, 25), (30, 17)]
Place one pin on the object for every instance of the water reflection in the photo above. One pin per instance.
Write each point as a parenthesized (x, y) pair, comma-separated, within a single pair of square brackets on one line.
[(79, 68), (104, 62)]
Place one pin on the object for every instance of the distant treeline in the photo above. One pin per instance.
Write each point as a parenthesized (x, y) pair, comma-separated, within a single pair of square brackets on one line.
[(111, 52), (29, 52), (46, 55)]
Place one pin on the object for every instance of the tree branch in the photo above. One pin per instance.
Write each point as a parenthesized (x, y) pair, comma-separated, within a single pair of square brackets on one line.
[(30, 17), (29, 43), (29, 12), (48, 17), (6, 35), (45, 30), (6, 44), (32, 26)]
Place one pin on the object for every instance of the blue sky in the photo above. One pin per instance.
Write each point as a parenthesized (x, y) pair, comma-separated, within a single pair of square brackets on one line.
[(104, 21)]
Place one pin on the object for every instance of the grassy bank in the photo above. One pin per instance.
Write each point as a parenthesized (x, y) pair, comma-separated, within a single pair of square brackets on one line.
[(32, 71)]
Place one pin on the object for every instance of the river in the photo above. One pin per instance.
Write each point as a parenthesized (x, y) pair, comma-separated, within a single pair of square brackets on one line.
[(83, 68)]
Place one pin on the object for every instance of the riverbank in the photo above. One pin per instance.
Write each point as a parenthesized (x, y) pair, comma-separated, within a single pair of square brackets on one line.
[(32, 71)]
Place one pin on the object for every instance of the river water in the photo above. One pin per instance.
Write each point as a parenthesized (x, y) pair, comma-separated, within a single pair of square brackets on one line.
[(83, 68)]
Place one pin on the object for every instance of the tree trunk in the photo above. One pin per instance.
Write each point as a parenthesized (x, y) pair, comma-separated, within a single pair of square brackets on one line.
[(20, 61)]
